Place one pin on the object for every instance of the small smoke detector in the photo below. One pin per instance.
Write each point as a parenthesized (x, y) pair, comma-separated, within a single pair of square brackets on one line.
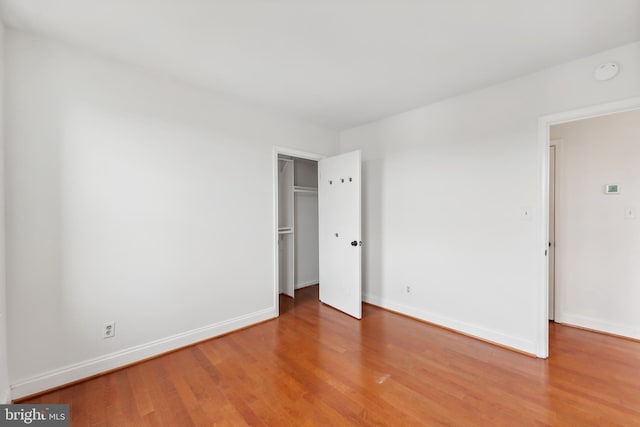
[(606, 71)]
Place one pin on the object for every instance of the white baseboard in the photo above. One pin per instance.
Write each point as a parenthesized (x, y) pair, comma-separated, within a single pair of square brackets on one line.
[(88, 368), (305, 284), (466, 328), (598, 325)]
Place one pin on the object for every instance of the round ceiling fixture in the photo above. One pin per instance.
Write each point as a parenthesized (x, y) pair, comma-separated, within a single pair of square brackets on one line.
[(606, 71)]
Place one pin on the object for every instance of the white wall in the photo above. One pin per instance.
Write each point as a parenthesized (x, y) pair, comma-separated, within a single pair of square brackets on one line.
[(135, 198), (597, 248), (443, 190), (5, 394), (306, 225)]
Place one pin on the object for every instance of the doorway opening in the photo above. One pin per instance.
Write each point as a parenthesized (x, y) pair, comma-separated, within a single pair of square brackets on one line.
[(317, 227), (590, 200), (296, 251), (552, 228)]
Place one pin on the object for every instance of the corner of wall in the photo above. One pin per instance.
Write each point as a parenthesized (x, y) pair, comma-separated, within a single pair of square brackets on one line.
[(5, 392)]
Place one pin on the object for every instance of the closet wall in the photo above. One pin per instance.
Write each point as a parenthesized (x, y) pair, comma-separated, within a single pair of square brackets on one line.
[(306, 221)]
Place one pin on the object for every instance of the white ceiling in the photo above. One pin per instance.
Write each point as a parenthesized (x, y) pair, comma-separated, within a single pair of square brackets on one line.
[(338, 63)]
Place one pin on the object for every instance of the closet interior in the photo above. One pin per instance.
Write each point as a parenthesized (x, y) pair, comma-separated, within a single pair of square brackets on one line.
[(297, 224)]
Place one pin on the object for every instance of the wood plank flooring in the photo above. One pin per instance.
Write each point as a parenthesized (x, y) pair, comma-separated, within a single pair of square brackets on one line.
[(317, 367)]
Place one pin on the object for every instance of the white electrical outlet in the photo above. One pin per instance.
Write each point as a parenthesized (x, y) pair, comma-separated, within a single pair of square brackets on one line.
[(109, 329)]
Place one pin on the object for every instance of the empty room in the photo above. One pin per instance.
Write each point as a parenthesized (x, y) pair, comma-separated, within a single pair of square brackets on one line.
[(282, 213)]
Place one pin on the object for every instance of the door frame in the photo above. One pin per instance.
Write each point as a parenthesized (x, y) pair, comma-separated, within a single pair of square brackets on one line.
[(285, 151), (553, 171), (544, 139)]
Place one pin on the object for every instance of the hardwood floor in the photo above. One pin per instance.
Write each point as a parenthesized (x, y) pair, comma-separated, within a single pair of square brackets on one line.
[(316, 366)]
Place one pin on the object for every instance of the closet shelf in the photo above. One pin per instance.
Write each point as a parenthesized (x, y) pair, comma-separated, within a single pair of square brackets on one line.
[(301, 189)]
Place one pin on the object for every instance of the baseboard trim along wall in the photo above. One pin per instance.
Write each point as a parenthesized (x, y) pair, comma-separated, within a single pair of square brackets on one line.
[(78, 371), (598, 325), (305, 284), (484, 334)]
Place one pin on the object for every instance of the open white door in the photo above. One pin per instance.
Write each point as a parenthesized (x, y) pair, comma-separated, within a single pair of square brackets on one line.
[(339, 229)]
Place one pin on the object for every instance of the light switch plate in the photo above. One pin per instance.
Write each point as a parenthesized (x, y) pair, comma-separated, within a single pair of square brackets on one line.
[(525, 213), (629, 212)]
